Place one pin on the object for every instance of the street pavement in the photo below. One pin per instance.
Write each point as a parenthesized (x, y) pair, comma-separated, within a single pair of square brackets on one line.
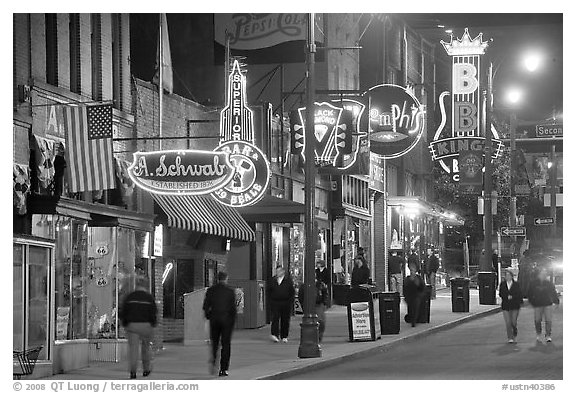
[(478, 350), (254, 356)]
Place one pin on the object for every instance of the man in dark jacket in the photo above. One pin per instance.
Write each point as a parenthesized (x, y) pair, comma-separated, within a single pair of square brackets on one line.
[(281, 294), (431, 265), (395, 266), (220, 309), (413, 259), (361, 271), (541, 295), (322, 272), (138, 316)]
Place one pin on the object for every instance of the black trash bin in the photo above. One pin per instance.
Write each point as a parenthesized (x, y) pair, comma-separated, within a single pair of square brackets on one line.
[(460, 294), (363, 313), (390, 312), (487, 287), (424, 314)]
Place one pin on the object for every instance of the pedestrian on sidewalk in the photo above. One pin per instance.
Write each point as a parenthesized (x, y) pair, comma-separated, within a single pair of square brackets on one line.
[(321, 292), (541, 295), (413, 294), (413, 259), (431, 265), (281, 296), (511, 295), (138, 314), (361, 271), (322, 273), (395, 267), (220, 309)]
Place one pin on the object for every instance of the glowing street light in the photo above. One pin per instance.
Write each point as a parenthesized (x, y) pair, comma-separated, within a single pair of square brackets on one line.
[(514, 95), (532, 61)]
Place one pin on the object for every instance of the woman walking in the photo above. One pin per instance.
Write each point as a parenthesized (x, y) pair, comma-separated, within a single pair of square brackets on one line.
[(541, 295), (511, 295)]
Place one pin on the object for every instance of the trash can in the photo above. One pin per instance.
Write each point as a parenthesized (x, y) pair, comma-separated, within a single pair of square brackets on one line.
[(363, 313), (487, 287), (389, 312), (424, 314), (460, 294)]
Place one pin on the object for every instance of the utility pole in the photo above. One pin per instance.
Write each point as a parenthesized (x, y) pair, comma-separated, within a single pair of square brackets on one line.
[(309, 347), (486, 263), (513, 122), (553, 181)]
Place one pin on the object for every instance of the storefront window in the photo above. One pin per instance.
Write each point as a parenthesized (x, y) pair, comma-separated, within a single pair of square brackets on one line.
[(32, 263), (101, 283), (70, 278), (18, 297)]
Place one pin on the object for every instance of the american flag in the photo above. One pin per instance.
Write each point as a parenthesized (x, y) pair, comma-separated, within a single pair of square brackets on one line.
[(89, 147)]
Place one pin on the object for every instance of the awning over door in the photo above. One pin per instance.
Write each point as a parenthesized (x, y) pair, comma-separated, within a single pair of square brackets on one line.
[(204, 214)]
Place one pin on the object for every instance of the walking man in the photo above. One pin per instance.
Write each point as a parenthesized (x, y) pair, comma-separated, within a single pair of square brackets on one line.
[(431, 265), (511, 296), (541, 295), (281, 295), (321, 293), (138, 316), (395, 265), (220, 309)]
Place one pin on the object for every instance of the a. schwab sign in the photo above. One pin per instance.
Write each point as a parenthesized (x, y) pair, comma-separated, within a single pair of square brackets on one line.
[(236, 173)]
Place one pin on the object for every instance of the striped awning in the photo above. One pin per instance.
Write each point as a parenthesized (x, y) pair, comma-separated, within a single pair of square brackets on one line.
[(204, 214)]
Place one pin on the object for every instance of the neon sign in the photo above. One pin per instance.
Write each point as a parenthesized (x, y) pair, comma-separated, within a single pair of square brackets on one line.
[(337, 134), (465, 109), (396, 120), (251, 167), (236, 173)]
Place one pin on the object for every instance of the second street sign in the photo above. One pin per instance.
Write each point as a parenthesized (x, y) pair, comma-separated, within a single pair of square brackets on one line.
[(513, 231), (544, 221)]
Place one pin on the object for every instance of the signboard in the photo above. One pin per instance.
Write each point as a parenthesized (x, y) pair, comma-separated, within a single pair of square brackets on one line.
[(395, 120), (544, 221), (340, 147), (549, 131), (158, 240), (62, 318), (470, 167), (236, 173), (239, 292), (256, 31), (460, 127), (522, 189), (377, 178), (361, 327), (513, 231)]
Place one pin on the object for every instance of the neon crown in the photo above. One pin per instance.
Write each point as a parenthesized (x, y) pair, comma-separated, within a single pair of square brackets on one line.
[(465, 46)]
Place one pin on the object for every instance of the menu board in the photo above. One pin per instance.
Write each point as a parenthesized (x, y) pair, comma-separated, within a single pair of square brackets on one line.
[(360, 315)]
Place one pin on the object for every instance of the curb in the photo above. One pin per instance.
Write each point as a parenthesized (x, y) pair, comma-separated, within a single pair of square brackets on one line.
[(324, 363)]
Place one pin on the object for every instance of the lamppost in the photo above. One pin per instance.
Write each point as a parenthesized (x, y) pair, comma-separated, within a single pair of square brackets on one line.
[(309, 347)]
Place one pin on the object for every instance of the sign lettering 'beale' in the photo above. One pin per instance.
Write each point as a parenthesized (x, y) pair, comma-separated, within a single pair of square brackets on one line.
[(459, 130)]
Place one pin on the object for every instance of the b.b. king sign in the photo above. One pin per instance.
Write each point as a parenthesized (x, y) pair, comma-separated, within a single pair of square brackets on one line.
[(236, 173), (459, 129)]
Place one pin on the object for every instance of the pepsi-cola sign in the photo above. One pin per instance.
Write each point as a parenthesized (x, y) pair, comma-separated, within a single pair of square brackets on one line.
[(396, 120)]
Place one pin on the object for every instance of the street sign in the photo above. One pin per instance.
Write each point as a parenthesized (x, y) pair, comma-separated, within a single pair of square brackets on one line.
[(513, 231), (544, 221), (549, 130)]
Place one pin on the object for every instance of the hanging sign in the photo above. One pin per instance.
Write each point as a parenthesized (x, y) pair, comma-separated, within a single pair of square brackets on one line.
[(460, 129), (340, 147), (470, 165), (396, 120), (251, 167), (236, 173)]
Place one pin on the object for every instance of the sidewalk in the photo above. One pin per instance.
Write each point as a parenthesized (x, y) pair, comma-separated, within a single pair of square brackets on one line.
[(254, 356)]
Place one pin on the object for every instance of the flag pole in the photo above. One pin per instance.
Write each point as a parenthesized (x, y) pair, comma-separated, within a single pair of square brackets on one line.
[(160, 66)]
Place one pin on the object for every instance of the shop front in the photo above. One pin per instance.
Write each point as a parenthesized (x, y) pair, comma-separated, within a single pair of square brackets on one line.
[(419, 225), (97, 252)]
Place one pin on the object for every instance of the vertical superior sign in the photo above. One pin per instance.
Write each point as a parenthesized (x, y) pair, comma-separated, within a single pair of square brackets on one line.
[(89, 147)]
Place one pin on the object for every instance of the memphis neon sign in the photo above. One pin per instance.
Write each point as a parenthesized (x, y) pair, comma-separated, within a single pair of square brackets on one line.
[(236, 173), (463, 125)]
